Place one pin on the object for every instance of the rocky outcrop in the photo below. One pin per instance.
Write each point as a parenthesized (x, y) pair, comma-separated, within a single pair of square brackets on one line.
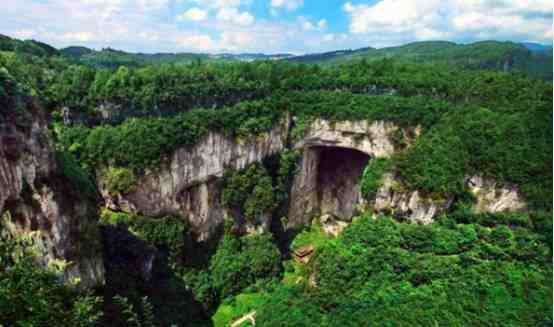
[(372, 138), (188, 185), (394, 200), (334, 156), (494, 197), (327, 183), (332, 226), (35, 196), (490, 196)]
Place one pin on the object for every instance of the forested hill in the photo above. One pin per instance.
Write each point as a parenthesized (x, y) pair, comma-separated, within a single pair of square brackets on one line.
[(531, 58), (534, 59), (229, 146)]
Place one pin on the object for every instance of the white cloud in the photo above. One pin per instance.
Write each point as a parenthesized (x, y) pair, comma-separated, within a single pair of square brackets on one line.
[(198, 42), (221, 3), (287, 4), (308, 25), (230, 25), (24, 33), (408, 20), (322, 24), (78, 36), (236, 41), (195, 14), (233, 15)]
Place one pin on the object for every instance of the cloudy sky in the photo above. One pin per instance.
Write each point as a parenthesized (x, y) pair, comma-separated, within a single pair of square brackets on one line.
[(271, 26)]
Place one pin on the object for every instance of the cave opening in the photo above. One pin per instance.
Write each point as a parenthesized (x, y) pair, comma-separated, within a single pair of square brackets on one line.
[(338, 178)]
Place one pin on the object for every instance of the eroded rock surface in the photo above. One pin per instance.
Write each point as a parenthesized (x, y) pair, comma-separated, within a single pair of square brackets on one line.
[(334, 156), (326, 184), (187, 186), (494, 197), (373, 138), (490, 196), (393, 199), (36, 197)]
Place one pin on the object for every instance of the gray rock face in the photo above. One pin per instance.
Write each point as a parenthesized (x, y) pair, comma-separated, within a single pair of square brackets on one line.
[(334, 156), (327, 183), (35, 197), (372, 138), (494, 197), (490, 197), (392, 199), (188, 186)]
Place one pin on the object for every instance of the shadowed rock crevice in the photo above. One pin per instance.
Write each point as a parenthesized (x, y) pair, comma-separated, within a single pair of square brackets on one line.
[(328, 184), (338, 181)]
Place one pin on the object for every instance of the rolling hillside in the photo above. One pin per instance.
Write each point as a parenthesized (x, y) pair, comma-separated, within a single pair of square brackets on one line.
[(507, 56)]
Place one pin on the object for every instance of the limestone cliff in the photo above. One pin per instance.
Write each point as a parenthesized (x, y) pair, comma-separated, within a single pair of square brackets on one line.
[(334, 156), (187, 185), (36, 197), (327, 183), (490, 196), (393, 199)]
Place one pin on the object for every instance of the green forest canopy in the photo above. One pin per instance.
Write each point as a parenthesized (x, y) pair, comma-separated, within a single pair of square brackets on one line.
[(464, 269)]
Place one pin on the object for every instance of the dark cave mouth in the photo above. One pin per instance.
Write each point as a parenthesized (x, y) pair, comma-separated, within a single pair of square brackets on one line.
[(339, 172)]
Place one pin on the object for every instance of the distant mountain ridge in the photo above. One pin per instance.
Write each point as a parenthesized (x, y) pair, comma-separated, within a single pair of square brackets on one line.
[(532, 58), (537, 47)]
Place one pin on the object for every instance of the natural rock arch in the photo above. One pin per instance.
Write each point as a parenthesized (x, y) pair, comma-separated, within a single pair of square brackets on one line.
[(328, 183), (333, 158)]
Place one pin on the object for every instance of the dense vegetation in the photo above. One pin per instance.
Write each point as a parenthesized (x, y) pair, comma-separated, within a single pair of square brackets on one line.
[(480, 55), (33, 296), (380, 272), (115, 116)]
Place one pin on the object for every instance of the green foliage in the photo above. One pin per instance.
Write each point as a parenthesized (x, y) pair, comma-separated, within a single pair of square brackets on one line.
[(314, 235), (511, 147), (34, 296), (240, 263), (236, 307), (119, 180), (260, 188), (69, 168), (373, 175), (142, 143), (467, 269), (489, 123), (130, 316), (250, 191), (169, 301), (166, 233), (478, 55), (405, 274)]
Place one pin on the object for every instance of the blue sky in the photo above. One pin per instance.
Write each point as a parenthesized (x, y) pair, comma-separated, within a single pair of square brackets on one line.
[(270, 26)]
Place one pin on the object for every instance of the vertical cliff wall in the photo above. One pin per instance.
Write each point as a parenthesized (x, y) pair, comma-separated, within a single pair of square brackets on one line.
[(187, 185), (327, 183), (35, 196), (334, 156)]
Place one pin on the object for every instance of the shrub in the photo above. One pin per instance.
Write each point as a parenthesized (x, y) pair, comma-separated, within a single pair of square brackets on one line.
[(408, 274), (68, 167), (119, 180), (33, 296), (250, 191), (239, 262), (372, 178)]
